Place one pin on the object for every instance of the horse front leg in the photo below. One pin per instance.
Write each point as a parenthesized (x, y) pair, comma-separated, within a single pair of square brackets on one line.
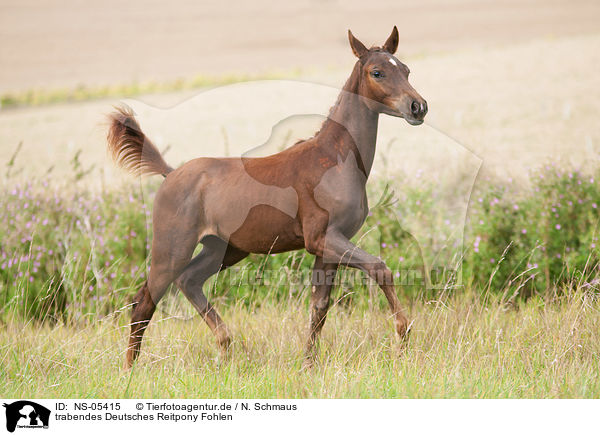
[(323, 278), (335, 247)]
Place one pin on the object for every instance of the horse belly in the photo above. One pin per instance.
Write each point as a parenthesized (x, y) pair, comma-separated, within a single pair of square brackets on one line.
[(252, 216), (267, 230)]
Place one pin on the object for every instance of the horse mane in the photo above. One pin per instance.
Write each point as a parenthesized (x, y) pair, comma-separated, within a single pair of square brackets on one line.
[(351, 86)]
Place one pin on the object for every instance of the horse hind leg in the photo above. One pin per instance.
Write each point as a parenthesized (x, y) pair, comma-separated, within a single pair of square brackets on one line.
[(171, 253), (143, 309), (215, 256)]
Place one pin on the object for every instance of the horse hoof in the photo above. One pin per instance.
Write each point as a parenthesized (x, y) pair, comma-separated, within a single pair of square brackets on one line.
[(308, 364), (408, 331)]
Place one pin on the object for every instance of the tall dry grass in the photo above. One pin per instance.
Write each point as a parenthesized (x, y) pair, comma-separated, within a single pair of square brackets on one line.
[(460, 347)]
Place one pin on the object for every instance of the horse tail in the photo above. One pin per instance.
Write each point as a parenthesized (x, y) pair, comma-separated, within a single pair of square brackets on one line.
[(130, 148)]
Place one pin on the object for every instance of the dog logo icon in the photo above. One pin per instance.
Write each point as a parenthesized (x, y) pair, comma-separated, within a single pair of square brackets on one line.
[(26, 414)]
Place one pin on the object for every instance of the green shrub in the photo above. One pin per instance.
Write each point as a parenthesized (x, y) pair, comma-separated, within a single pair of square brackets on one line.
[(538, 240), (67, 252)]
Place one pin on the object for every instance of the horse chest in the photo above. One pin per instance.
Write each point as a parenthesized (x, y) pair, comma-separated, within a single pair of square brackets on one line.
[(342, 194), (348, 213)]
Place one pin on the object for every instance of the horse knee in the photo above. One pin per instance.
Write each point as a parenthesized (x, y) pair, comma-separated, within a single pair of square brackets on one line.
[(314, 245), (191, 281), (182, 282), (382, 274)]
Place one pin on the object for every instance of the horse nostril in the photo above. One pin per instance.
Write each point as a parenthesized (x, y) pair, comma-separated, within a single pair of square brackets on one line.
[(415, 108), (424, 108)]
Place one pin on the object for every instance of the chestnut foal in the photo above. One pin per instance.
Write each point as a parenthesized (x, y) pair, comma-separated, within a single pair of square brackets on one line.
[(311, 195)]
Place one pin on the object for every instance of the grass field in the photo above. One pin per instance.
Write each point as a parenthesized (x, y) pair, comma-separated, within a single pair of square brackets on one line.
[(460, 347), (523, 322)]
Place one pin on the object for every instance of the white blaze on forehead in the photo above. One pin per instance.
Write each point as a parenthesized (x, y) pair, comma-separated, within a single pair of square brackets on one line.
[(393, 62)]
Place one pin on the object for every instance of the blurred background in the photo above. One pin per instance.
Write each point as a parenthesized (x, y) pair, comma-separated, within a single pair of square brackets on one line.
[(512, 89), (513, 81), (71, 43)]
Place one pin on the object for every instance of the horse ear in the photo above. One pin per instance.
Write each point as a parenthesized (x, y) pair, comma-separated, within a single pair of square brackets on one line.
[(391, 45), (358, 48)]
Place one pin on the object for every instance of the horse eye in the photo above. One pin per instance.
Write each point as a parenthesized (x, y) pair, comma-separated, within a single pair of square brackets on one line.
[(377, 74)]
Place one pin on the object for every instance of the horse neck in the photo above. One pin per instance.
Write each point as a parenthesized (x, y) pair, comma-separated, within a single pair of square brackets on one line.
[(351, 125)]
